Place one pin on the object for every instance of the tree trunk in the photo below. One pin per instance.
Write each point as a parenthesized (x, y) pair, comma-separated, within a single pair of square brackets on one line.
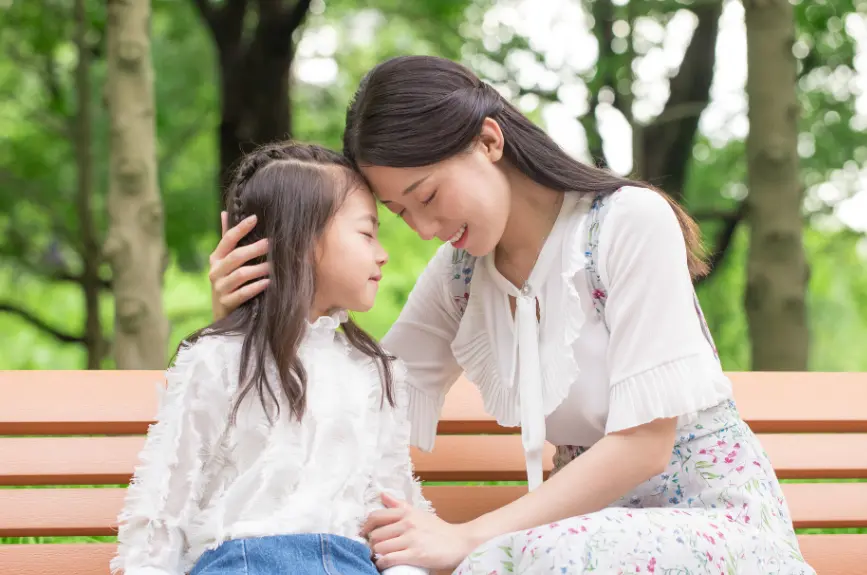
[(135, 246), (668, 139), (603, 22), (82, 139), (776, 266), (255, 107), (254, 74)]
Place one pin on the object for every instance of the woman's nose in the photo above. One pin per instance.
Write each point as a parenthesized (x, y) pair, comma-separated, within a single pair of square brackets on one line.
[(426, 228)]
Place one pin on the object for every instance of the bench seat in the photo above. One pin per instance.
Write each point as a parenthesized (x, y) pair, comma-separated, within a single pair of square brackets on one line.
[(62, 430)]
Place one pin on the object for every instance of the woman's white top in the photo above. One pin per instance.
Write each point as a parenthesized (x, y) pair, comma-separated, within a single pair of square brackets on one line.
[(565, 377), (202, 481)]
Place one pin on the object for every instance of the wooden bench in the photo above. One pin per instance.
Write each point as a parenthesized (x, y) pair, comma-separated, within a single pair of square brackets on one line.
[(813, 425)]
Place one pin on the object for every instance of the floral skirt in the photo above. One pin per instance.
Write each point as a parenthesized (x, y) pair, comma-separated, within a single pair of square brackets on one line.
[(718, 508)]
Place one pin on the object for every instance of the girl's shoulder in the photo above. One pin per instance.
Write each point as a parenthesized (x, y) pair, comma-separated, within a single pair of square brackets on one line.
[(211, 362), (210, 348), (367, 375), (400, 385)]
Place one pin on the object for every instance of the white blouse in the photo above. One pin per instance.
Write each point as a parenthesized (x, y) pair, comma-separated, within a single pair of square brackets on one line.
[(202, 481), (566, 378)]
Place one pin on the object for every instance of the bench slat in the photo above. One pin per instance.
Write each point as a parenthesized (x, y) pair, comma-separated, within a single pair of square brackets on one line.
[(816, 410), (110, 460), (812, 505), (800, 402), (63, 512), (828, 555), (835, 554), (58, 402), (501, 458), (57, 559), (113, 402), (68, 460)]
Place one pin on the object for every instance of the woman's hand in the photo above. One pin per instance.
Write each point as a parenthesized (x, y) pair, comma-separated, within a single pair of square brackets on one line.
[(228, 272), (403, 535)]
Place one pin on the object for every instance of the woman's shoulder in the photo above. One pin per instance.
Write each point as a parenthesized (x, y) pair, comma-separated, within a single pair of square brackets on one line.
[(449, 260), (640, 206), (445, 281)]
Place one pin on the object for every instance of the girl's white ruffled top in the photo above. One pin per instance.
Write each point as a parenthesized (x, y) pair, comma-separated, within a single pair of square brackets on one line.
[(203, 481), (565, 377)]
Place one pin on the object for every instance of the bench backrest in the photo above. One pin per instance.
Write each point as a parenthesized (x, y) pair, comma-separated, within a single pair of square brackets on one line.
[(75, 428)]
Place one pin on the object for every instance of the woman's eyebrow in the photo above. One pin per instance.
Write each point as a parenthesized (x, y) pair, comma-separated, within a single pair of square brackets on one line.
[(415, 184)]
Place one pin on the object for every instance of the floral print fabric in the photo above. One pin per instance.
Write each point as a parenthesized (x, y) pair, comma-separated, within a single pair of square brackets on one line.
[(462, 273), (717, 509)]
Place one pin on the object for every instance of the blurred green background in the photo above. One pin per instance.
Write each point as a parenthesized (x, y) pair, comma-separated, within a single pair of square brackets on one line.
[(589, 72)]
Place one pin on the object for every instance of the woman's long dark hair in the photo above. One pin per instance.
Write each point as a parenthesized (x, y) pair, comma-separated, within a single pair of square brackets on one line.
[(293, 190), (414, 111)]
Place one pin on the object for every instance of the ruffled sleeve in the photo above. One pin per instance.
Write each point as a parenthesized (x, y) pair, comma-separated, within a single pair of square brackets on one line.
[(167, 485), (422, 337), (659, 361)]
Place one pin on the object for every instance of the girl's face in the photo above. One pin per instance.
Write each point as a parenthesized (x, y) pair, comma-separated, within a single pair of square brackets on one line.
[(349, 257), (464, 199)]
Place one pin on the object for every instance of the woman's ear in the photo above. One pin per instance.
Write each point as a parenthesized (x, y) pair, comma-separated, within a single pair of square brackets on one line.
[(491, 139)]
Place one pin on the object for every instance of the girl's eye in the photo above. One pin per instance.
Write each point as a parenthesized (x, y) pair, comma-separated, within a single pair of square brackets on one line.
[(430, 198), (368, 234)]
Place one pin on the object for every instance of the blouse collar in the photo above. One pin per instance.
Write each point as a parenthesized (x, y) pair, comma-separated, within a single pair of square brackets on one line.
[(325, 327), (524, 384)]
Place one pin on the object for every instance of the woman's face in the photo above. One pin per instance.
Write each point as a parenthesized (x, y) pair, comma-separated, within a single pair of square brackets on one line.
[(464, 199)]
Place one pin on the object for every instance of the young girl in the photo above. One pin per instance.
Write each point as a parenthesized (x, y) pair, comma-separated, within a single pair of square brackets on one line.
[(564, 293), (283, 424)]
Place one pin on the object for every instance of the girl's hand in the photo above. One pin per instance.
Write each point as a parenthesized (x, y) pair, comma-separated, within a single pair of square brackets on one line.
[(403, 535), (228, 272)]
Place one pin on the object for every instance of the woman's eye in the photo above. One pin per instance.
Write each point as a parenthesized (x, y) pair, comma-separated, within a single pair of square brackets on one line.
[(430, 198)]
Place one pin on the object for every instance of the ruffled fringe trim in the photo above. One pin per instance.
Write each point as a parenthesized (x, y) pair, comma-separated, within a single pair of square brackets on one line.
[(396, 464), (189, 388)]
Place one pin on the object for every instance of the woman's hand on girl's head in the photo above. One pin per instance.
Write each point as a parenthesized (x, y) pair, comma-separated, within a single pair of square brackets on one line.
[(403, 535), (228, 274)]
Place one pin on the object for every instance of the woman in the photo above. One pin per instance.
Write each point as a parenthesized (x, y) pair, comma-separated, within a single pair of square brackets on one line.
[(564, 292)]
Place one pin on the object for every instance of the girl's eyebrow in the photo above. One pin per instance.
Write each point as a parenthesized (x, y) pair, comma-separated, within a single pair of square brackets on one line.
[(371, 218)]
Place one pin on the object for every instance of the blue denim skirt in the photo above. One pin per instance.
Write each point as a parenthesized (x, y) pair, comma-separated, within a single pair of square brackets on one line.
[(301, 554)]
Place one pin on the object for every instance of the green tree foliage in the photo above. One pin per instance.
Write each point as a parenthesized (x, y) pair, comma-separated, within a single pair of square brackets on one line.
[(40, 251)]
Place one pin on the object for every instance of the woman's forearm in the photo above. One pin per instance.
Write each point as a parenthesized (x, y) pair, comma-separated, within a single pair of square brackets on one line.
[(610, 469)]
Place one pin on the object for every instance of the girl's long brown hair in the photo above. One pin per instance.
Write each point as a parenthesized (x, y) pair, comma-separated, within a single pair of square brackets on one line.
[(414, 111), (294, 190)]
